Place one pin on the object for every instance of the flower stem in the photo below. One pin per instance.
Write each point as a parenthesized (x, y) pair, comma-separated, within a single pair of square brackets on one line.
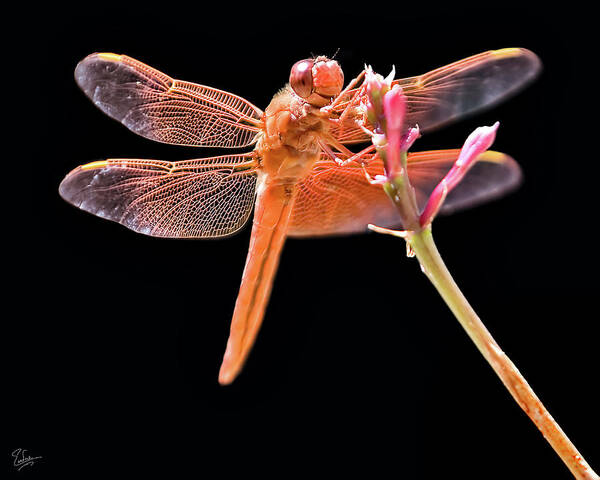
[(433, 266)]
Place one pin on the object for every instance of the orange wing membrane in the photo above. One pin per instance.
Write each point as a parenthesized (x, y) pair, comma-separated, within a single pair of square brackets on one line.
[(208, 197), (454, 91), (336, 200), (161, 108)]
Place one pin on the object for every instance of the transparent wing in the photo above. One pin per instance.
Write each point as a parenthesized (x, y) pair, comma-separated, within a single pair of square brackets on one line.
[(161, 108), (208, 197), (448, 93), (336, 200)]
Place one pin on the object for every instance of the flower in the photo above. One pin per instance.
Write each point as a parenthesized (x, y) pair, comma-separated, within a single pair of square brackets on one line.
[(394, 107), (477, 143), (377, 87), (386, 107), (398, 137)]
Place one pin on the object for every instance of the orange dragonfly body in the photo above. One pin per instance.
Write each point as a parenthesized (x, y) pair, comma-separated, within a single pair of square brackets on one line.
[(301, 177)]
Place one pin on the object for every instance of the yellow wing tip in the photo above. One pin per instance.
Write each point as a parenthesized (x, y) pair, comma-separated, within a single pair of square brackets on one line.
[(494, 157), (508, 52), (111, 57), (92, 165)]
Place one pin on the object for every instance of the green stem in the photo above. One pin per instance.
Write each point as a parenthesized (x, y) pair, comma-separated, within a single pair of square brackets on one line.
[(433, 266)]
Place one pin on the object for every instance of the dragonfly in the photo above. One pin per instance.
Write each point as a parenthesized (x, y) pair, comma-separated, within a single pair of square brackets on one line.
[(301, 179)]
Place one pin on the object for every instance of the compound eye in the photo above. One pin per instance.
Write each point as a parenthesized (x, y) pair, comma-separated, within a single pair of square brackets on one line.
[(301, 79)]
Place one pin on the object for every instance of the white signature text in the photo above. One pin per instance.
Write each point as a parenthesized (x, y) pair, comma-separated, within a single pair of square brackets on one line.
[(21, 459)]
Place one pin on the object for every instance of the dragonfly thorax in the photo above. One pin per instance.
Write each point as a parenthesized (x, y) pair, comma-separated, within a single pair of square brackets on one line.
[(290, 142)]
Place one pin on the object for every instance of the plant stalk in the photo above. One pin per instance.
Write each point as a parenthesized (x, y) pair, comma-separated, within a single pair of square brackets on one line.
[(433, 266)]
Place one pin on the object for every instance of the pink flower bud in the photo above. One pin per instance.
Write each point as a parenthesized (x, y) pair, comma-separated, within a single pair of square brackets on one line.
[(477, 143), (409, 138), (394, 107), (377, 87)]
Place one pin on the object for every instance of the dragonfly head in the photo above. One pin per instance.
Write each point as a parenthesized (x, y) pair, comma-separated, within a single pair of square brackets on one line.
[(317, 80)]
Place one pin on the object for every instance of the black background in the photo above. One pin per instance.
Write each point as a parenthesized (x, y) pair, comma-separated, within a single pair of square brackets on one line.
[(114, 339)]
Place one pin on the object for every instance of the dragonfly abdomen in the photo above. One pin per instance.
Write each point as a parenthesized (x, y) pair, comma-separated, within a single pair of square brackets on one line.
[(272, 213)]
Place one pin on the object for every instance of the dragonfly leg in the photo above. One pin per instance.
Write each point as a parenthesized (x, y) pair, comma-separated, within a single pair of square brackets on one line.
[(355, 99), (348, 108), (349, 103), (343, 93), (330, 153), (351, 156), (377, 180)]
